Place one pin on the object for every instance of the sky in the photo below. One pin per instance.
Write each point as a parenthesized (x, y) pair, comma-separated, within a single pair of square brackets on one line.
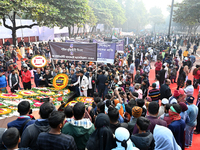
[(163, 4)]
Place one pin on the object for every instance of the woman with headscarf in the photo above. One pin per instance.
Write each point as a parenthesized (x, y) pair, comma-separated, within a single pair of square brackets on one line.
[(123, 141), (164, 139), (102, 138), (181, 78)]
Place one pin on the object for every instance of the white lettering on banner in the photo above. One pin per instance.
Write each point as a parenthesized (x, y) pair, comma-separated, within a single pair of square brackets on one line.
[(110, 50), (80, 57), (99, 54), (72, 49), (60, 56), (91, 58)]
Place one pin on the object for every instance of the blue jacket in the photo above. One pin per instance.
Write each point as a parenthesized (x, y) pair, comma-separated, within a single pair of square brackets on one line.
[(19, 122), (101, 81), (3, 82)]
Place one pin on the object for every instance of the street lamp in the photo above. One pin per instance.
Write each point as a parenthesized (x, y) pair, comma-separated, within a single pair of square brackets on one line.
[(170, 21)]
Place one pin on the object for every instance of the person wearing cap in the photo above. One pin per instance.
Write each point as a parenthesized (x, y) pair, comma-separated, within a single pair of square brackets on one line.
[(136, 113), (175, 96), (183, 113), (162, 107), (26, 78), (13, 81), (146, 68), (177, 125), (83, 83), (3, 83), (154, 93), (189, 89), (123, 141), (192, 113)]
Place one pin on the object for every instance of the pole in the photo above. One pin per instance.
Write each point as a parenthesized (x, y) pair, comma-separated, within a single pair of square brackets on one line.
[(170, 21)]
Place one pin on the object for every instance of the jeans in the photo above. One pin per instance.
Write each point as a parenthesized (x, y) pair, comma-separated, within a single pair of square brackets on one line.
[(188, 135)]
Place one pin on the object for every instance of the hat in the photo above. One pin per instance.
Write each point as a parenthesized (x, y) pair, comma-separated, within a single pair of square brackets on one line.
[(176, 93), (186, 59), (165, 101), (173, 101), (190, 99), (183, 106), (154, 85), (136, 111)]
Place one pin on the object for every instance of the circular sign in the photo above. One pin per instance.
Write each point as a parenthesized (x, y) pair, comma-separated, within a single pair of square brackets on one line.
[(60, 81), (39, 61)]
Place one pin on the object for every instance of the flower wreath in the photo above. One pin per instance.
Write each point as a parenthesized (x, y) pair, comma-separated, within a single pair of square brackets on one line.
[(28, 93), (5, 111), (10, 96), (46, 93)]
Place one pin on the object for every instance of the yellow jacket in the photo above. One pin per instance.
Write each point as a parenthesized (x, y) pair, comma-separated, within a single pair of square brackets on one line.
[(185, 53)]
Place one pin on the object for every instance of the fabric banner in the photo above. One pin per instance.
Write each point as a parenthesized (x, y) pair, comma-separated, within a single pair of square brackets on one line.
[(120, 46), (73, 51), (106, 52)]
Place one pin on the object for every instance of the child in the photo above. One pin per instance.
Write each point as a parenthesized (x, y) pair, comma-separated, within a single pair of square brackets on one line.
[(11, 139)]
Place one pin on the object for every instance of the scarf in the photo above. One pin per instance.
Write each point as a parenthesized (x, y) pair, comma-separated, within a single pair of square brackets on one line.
[(10, 81), (173, 115)]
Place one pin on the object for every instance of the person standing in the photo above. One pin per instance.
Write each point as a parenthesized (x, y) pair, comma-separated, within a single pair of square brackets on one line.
[(146, 68), (3, 83), (195, 49), (177, 125), (26, 78), (131, 70), (158, 66), (165, 91), (137, 63), (189, 89), (91, 85), (162, 75), (180, 54), (13, 80), (83, 84), (101, 80), (192, 113)]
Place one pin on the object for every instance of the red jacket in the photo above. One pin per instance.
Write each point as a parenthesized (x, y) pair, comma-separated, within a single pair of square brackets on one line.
[(197, 75), (158, 65), (27, 77)]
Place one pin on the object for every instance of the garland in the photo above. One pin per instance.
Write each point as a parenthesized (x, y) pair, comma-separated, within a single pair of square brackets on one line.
[(10, 96)]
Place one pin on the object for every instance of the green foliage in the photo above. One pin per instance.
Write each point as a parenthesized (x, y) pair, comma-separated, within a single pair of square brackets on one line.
[(108, 12), (187, 12), (155, 16), (136, 15)]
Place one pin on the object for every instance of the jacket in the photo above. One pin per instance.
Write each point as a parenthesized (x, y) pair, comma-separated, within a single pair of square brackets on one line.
[(27, 77), (83, 83), (143, 141), (165, 91), (101, 81), (30, 134), (80, 134)]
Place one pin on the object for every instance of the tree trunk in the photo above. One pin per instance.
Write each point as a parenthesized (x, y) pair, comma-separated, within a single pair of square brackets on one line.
[(77, 30), (69, 30), (14, 35)]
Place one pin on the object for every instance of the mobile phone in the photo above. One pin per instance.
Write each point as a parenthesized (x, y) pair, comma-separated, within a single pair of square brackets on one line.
[(45, 99)]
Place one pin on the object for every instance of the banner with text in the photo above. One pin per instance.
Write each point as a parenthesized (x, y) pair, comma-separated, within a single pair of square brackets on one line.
[(106, 52), (73, 51), (120, 46)]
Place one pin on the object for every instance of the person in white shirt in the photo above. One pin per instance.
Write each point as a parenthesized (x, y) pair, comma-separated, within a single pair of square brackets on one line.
[(83, 83), (91, 84), (189, 89)]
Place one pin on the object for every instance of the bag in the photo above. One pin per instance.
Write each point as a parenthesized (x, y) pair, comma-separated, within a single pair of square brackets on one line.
[(23, 125)]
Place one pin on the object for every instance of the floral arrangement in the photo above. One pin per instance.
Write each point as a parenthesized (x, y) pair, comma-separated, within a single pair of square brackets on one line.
[(37, 103), (72, 103), (5, 111), (28, 93), (10, 96), (39, 88), (46, 93), (66, 92), (85, 100)]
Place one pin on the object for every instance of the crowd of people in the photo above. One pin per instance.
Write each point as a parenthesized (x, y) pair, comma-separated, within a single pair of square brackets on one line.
[(127, 113)]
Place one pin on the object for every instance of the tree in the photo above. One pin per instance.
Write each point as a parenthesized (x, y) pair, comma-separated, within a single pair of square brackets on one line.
[(136, 15), (49, 13), (33, 8), (187, 13), (108, 12), (156, 17)]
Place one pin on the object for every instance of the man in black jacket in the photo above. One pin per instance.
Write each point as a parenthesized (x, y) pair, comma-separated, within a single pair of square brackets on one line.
[(101, 83), (91, 85), (162, 75), (165, 91)]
